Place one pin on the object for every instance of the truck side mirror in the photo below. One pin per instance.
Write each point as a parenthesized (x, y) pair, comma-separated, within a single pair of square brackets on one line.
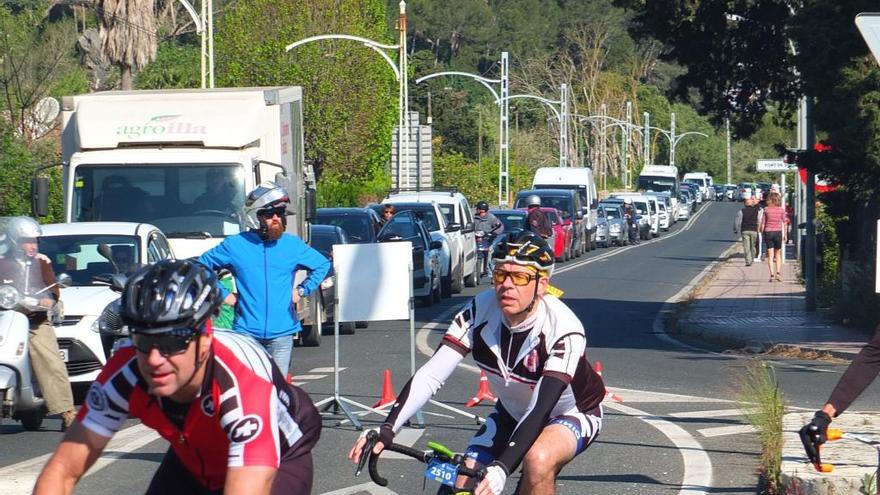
[(311, 204), (40, 196)]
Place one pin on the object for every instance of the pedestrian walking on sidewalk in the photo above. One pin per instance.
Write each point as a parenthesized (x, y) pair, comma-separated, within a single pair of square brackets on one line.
[(746, 224), (772, 226), (860, 373)]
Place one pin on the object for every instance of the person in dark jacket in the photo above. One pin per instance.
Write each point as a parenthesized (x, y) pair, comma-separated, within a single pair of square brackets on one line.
[(746, 224), (264, 261), (537, 220)]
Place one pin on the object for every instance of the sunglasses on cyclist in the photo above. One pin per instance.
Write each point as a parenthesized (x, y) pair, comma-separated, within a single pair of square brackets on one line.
[(272, 212), (519, 278), (170, 343)]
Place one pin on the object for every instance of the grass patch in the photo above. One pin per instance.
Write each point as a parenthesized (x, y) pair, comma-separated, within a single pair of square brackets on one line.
[(763, 405)]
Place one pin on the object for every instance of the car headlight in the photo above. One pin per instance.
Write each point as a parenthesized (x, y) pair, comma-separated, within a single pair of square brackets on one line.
[(615, 227), (9, 297)]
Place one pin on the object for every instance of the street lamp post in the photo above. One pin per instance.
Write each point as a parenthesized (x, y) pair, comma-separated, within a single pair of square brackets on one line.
[(199, 21), (400, 72), (562, 112), (503, 129), (625, 127)]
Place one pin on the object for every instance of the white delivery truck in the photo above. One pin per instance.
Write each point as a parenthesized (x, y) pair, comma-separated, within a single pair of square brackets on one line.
[(184, 160), (661, 178), (581, 179)]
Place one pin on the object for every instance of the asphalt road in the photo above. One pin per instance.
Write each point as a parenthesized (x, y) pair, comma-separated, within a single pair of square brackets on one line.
[(677, 430)]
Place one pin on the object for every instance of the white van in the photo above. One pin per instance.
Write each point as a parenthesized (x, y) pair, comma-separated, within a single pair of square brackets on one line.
[(703, 181), (660, 178), (580, 178)]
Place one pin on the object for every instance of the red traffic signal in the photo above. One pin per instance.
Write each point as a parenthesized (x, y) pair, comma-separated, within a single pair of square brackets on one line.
[(822, 147)]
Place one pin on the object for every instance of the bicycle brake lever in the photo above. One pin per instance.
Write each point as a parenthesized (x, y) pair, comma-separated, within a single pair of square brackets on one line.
[(371, 437)]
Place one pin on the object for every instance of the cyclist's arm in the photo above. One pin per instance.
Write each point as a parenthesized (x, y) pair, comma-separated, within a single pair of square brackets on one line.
[(857, 377), (313, 261), (76, 453), (422, 386), (250, 480)]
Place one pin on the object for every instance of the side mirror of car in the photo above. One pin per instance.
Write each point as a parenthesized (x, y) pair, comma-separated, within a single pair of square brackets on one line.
[(436, 245), (453, 227), (468, 228), (64, 280)]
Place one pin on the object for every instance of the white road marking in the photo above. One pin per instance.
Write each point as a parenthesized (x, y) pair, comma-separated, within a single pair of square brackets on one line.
[(697, 477), (634, 396), (325, 370), (309, 377), (20, 477), (717, 413), (721, 431), (408, 437)]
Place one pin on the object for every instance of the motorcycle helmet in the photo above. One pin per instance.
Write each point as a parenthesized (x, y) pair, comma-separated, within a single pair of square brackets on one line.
[(533, 200), (627, 201), (524, 248), (482, 206), (265, 197), (170, 295), (16, 230)]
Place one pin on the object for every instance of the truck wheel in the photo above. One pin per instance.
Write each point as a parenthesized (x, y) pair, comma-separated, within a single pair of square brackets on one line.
[(474, 278), (362, 324), (310, 336), (347, 328), (446, 285)]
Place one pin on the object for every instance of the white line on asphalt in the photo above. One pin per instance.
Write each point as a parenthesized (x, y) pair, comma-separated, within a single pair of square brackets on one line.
[(717, 413), (324, 370), (720, 431), (697, 477), (408, 437), (631, 395), (20, 477), (309, 377)]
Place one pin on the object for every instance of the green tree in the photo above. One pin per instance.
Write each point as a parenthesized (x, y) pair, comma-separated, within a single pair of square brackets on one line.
[(349, 91), (177, 65), (128, 34)]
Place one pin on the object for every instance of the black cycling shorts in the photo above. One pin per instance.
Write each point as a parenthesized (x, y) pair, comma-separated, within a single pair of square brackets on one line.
[(294, 475), (773, 240)]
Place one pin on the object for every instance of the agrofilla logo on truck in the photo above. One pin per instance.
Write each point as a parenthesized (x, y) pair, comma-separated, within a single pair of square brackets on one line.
[(161, 125)]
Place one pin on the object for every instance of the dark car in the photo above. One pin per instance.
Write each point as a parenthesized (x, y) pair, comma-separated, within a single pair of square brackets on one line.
[(568, 202), (322, 240), (405, 226), (512, 219), (360, 224)]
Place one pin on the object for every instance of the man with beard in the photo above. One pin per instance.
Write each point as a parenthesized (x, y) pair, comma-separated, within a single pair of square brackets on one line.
[(263, 261)]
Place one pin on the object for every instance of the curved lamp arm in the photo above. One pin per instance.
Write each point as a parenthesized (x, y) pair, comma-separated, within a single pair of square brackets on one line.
[(549, 103), (482, 80), (373, 45)]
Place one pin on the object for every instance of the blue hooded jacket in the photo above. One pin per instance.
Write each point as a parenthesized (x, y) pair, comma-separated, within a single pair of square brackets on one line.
[(264, 273)]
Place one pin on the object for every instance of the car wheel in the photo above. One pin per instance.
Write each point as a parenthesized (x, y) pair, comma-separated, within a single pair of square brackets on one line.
[(310, 336), (347, 328), (437, 294), (361, 324), (474, 278), (446, 286), (458, 283), (33, 420)]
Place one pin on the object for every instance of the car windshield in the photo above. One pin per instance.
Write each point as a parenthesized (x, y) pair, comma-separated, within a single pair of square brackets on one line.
[(512, 221), (656, 183), (641, 207), (79, 255), (611, 212), (184, 200), (692, 180), (425, 213), (323, 241), (356, 227)]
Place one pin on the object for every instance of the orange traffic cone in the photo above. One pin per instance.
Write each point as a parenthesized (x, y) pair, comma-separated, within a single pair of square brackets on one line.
[(608, 394), (483, 392), (388, 396)]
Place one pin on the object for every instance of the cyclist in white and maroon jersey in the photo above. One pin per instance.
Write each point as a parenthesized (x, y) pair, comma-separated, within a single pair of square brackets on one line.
[(533, 349), (234, 424)]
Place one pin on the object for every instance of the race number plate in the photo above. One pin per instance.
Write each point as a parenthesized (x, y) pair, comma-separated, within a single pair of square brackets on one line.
[(441, 472), (64, 354)]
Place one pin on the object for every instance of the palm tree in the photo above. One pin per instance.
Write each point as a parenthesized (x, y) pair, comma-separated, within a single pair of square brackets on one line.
[(128, 34)]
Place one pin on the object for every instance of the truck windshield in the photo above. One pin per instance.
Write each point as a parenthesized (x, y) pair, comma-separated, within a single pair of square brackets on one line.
[(184, 200), (656, 183), (80, 255)]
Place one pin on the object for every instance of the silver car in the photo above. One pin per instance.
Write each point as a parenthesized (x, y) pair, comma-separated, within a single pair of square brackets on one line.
[(611, 225)]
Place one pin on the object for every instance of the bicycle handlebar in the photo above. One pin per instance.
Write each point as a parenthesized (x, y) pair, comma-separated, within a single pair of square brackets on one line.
[(419, 455)]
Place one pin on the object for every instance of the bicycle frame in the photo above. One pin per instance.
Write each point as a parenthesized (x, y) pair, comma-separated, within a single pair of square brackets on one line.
[(439, 456)]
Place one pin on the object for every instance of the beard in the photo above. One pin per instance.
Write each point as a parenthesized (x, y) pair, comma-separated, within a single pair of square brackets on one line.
[(274, 231)]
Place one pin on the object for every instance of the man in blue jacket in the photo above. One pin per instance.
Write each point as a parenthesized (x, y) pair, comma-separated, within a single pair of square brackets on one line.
[(264, 261)]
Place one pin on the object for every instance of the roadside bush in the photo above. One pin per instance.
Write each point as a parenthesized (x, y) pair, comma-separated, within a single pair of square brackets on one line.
[(763, 405)]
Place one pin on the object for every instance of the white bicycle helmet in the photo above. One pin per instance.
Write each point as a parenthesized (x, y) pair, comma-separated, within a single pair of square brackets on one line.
[(265, 197)]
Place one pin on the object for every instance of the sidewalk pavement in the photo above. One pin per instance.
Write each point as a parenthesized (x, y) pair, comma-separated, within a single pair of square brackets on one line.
[(739, 307)]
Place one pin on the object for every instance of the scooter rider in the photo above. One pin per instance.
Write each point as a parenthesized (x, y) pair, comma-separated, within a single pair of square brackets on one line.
[(632, 228), (536, 219), (31, 272), (486, 221), (264, 261)]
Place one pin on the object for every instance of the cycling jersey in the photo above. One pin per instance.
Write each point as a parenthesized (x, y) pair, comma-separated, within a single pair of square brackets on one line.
[(264, 273), (245, 415), (538, 369)]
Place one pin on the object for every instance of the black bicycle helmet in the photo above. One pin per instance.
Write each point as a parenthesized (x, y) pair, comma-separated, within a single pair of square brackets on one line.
[(525, 248), (170, 294), (482, 205)]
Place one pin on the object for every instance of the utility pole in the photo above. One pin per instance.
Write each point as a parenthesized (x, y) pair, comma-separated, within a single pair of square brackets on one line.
[(729, 159), (603, 150), (646, 139), (672, 139), (810, 258), (563, 128), (625, 160)]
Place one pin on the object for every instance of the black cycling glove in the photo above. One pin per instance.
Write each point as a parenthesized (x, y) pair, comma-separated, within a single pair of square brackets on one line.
[(814, 434), (386, 434)]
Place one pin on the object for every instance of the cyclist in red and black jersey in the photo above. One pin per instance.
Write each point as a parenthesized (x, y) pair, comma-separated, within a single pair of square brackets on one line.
[(533, 348), (235, 426)]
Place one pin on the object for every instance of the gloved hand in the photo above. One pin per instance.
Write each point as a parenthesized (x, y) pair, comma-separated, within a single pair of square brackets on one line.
[(493, 482), (814, 434)]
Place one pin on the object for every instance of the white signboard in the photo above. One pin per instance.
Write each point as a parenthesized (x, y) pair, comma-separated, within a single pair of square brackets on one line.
[(869, 25), (373, 280), (777, 165)]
